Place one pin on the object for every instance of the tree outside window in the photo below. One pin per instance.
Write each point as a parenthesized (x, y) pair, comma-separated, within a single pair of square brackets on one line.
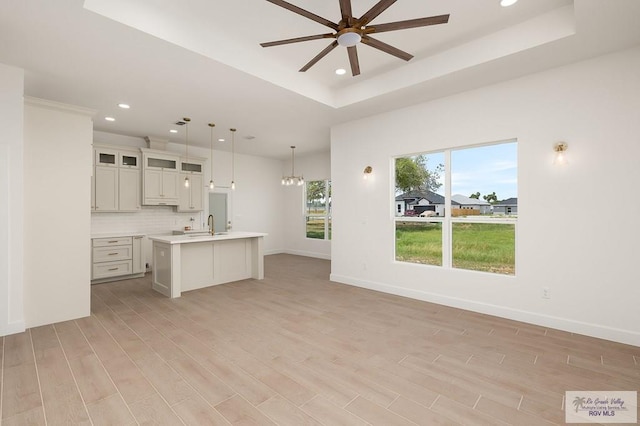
[(318, 209)]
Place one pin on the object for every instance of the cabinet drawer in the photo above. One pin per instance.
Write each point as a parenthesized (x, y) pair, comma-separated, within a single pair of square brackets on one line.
[(111, 269), (107, 242), (110, 254)]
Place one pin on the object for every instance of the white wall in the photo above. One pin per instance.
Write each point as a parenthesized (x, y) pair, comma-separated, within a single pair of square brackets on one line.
[(57, 199), (11, 201), (256, 204), (312, 167), (586, 255), (258, 199)]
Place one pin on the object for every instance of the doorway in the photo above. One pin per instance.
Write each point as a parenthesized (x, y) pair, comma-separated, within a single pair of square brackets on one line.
[(219, 208)]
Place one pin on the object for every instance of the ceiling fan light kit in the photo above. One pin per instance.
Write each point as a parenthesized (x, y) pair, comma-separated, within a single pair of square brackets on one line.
[(351, 31), (349, 37)]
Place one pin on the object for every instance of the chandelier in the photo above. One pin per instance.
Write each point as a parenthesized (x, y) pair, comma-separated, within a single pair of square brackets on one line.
[(293, 179)]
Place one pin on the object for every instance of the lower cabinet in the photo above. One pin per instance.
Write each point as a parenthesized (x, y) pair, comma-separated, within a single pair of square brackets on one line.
[(137, 256), (117, 258)]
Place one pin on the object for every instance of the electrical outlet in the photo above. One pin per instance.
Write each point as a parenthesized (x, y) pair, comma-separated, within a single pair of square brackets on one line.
[(546, 293)]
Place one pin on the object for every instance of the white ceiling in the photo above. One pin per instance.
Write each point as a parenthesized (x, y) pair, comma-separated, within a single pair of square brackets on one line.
[(202, 59)]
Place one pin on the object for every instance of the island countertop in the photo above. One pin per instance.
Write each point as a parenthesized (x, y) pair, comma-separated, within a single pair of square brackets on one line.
[(198, 238)]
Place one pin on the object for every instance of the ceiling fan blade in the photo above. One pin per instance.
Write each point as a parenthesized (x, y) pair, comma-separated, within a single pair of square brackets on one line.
[(353, 60), (305, 13), (345, 9), (386, 48), (411, 23), (319, 56), (376, 10), (297, 40)]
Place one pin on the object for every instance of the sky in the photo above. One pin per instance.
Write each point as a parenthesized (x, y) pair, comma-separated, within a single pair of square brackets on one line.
[(483, 169)]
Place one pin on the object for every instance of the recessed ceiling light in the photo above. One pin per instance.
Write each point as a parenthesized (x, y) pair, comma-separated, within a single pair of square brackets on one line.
[(505, 3), (124, 106), (341, 71), (221, 140), (173, 131), (110, 119)]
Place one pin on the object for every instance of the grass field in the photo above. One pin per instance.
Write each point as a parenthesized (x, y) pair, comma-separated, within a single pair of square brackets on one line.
[(477, 246), (315, 228)]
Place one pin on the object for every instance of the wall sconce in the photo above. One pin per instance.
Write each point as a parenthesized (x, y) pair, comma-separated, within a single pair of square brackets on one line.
[(560, 149), (367, 172)]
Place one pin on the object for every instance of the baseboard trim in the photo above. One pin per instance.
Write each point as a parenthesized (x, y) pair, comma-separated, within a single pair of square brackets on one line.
[(13, 328), (628, 337), (308, 254)]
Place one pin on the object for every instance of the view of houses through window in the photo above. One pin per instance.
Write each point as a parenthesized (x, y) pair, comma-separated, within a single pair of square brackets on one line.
[(318, 209), (458, 208)]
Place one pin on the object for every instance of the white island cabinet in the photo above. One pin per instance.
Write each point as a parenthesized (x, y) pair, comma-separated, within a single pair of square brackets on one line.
[(189, 262)]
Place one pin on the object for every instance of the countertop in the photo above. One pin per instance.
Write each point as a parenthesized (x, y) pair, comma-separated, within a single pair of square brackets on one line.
[(117, 235), (184, 239)]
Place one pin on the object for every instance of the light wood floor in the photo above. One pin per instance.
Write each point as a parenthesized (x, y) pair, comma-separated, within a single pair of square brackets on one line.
[(296, 349)]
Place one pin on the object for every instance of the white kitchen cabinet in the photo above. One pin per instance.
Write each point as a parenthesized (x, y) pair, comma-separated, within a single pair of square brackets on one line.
[(160, 178), (192, 197), (106, 188), (137, 255), (106, 156), (129, 190), (117, 258), (160, 187), (116, 180), (129, 181)]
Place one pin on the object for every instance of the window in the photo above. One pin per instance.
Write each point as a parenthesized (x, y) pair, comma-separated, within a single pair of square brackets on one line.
[(318, 209), (470, 226)]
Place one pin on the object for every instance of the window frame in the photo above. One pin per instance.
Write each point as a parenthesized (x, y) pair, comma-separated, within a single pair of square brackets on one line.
[(448, 220)]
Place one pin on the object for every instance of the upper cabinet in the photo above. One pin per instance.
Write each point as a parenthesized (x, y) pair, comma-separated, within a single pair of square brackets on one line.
[(116, 180), (126, 179), (160, 178), (192, 196)]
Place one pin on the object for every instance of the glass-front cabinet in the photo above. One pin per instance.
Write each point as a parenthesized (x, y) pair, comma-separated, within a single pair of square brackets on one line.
[(160, 178), (116, 180)]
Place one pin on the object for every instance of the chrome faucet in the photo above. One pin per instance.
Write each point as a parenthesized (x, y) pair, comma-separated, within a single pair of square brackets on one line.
[(210, 223)]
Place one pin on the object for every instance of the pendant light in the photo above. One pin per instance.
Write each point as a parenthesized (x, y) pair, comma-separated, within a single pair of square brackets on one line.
[(211, 185), (186, 132), (233, 158), (290, 180)]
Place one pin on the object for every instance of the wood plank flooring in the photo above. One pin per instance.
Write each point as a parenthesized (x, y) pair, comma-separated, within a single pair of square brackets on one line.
[(296, 349)]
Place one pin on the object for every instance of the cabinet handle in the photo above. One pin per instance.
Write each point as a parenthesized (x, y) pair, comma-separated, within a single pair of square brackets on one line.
[(112, 254), (112, 242), (112, 269)]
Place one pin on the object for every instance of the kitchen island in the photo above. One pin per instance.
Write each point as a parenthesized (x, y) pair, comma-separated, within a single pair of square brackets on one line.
[(189, 262)]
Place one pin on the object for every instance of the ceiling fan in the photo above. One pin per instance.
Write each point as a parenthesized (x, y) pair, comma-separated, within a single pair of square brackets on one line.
[(350, 31)]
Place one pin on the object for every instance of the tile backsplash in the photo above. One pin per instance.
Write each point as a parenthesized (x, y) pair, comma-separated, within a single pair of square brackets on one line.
[(151, 220)]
